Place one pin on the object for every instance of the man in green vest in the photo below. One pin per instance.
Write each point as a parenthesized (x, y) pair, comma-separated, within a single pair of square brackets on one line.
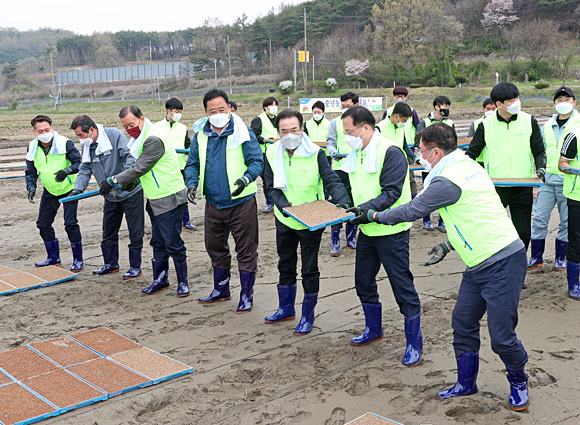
[(488, 110), (297, 172), (264, 127), (157, 167), (176, 134), (316, 128), (338, 148), (513, 145), (495, 259), (56, 161), (400, 94), (569, 160), (440, 113), (565, 120), (224, 161), (379, 177)]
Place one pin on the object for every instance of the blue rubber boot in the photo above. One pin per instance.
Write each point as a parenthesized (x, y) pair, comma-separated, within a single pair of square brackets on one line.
[(185, 220), (467, 369), (134, 264), (221, 287), (441, 226), (247, 280), (373, 325), (52, 254), (286, 299), (427, 223), (307, 320), (160, 275), (269, 204), (572, 272), (181, 272), (77, 250), (561, 247), (537, 257), (335, 241), (414, 348), (111, 258), (519, 397), (351, 236)]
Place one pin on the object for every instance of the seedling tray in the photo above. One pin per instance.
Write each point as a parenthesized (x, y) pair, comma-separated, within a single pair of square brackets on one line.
[(372, 419), (518, 182), (318, 214), (11, 175), (12, 280)]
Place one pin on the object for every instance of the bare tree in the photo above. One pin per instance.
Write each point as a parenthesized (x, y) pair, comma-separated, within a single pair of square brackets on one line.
[(533, 37), (564, 51)]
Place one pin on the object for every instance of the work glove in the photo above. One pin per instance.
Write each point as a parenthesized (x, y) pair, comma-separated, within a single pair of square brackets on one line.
[(60, 175), (106, 186), (31, 193), (439, 252), (191, 194), (282, 209), (74, 192), (363, 215), (541, 174), (241, 183), (131, 185), (417, 160), (344, 206)]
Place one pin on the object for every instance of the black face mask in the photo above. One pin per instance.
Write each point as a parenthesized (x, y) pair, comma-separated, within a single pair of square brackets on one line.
[(444, 112)]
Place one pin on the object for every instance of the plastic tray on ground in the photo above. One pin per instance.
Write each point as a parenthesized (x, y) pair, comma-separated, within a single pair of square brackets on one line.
[(52, 274), (325, 208), (105, 342), (572, 170), (372, 419), (416, 167), (36, 278), (64, 351), (518, 182), (11, 175), (19, 406), (22, 363)]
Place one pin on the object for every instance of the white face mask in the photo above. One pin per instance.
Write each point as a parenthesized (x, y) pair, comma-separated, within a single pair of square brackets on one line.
[(46, 137), (488, 113), (219, 120), (176, 117), (318, 117), (564, 108), (425, 162), (88, 141), (398, 99), (291, 141), (355, 142), (514, 108), (401, 124), (273, 109)]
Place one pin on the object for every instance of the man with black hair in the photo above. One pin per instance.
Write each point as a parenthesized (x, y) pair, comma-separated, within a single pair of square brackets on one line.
[(176, 134), (488, 109), (379, 178), (157, 167), (224, 161), (496, 259), (56, 161), (400, 94), (105, 153), (513, 145), (336, 145), (233, 106), (317, 127), (297, 172), (264, 127)]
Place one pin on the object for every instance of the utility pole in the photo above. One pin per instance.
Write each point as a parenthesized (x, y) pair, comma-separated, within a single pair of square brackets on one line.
[(52, 75), (151, 71), (312, 69), (229, 64), (215, 72), (295, 69), (270, 55), (305, 64)]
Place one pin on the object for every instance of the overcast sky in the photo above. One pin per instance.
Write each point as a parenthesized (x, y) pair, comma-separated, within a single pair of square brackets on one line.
[(136, 15)]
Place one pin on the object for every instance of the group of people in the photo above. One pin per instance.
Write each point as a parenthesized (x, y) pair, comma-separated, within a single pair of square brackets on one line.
[(358, 164)]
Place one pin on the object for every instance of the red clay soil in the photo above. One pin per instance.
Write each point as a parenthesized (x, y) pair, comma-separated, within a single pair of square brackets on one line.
[(64, 351), (22, 280), (149, 363), (107, 375), (51, 273), (105, 341), (7, 270), (17, 404), (62, 389), (317, 212), (368, 419), (23, 363)]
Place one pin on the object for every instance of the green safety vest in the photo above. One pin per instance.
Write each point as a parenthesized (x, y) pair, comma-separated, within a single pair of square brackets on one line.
[(302, 180), (429, 121), (571, 184), (176, 135), (410, 129), (318, 132), (47, 165), (394, 134), (553, 146), (268, 130), (341, 145), (477, 224), (165, 178), (481, 157), (366, 186), (235, 165), (507, 147)]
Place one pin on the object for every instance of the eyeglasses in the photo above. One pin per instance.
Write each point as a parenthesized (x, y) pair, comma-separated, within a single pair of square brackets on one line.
[(284, 132), (423, 153), (349, 133)]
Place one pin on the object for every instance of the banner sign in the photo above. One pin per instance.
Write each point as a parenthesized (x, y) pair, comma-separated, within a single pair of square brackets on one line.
[(332, 104)]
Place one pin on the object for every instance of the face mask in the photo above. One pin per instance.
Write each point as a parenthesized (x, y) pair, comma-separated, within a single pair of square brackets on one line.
[(489, 113), (401, 124), (444, 112), (273, 109), (318, 117), (134, 132), (355, 142), (514, 108), (88, 141), (176, 117), (425, 162), (46, 137), (564, 108), (291, 141), (398, 99), (219, 120)]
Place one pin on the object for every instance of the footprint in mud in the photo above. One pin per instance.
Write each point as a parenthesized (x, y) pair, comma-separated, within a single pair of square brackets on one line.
[(474, 410), (563, 355), (538, 377), (337, 417), (357, 386)]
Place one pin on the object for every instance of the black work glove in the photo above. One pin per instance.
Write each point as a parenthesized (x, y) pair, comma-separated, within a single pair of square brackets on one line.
[(31, 193), (363, 215), (439, 252), (344, 206), (74, 192), (106, 186), (60, 175), (541, 174), (241, 183), (191, 194), (131, 185)]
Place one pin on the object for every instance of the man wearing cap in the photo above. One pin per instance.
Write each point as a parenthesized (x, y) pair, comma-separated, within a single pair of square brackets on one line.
[(565, 121), (56, 161)]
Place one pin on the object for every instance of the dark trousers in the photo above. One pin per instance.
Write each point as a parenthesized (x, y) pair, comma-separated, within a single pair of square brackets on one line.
[(166, 234), (520, 201), (392, 252), (573, 252), (346, 182), (495, 289), (242, 222), (132, 209), (47, 212), (287, 240)]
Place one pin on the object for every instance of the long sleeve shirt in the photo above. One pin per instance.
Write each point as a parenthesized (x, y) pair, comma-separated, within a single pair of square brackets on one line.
[(331, 138), (256, 126), (72, 154)]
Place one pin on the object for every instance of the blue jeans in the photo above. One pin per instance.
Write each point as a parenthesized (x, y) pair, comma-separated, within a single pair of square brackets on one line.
[(495, 289), (549, 195)]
